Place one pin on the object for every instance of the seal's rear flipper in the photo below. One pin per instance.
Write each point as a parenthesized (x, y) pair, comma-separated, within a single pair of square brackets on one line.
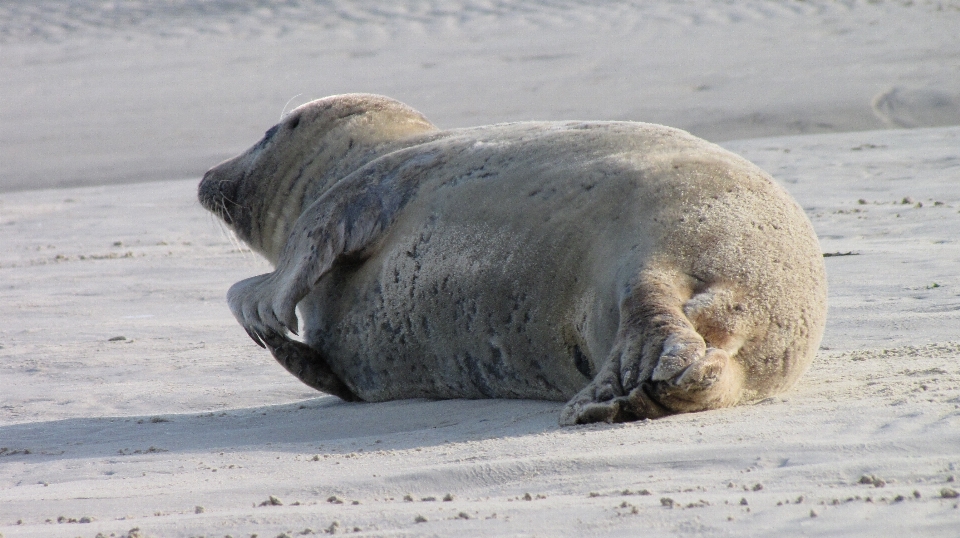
[(308, 365), (660, 363)]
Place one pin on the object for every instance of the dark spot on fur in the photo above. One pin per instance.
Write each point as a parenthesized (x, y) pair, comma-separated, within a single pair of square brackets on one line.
[(475, 367), (293, 122), (581, 362), (270, 132)]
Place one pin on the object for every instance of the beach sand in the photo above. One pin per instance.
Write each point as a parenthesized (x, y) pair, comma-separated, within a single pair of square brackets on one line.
[(102, 92), (131, 399)]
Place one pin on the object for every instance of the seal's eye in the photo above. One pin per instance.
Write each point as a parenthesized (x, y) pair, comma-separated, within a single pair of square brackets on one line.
[(294, 121)]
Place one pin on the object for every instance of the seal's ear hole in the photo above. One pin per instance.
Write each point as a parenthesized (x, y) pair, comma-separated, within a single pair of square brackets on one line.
[(294, 121)]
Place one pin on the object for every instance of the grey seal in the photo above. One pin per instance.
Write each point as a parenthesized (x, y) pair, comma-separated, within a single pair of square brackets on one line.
[(629, 269)]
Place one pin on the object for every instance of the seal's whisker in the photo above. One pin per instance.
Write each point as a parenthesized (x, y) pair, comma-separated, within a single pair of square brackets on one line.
[(283, 113), (242, 248), (220, 210), (232, 235)]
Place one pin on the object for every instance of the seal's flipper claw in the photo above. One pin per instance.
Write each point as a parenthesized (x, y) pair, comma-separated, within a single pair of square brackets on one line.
[(255, 337), (287, 326)]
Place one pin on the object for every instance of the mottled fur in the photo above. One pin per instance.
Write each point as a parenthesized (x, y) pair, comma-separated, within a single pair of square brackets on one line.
[(629, 268)]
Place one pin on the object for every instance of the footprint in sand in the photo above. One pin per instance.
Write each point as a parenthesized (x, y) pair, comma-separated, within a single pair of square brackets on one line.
[(923, 107)]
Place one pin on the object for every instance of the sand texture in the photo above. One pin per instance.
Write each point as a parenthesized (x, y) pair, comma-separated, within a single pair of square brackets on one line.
[(132, 404), (98, 92), (187, 412)]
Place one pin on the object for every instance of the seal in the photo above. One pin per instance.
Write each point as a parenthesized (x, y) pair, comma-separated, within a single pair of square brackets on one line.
[(629, 269)]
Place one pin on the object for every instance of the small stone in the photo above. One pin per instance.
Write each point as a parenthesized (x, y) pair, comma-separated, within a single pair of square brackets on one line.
[(408, 498), (117, 339), (333, 528), (813, 513), (420, 519), (197, 509), (667, 502), (757, 487), (448, 498), (916, 494), (333, 499), (527, 497), (949, 493), (743, 501), (463, 515), (271, 501)]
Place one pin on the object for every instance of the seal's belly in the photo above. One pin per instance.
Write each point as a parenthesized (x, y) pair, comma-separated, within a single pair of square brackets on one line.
[(462, 313)]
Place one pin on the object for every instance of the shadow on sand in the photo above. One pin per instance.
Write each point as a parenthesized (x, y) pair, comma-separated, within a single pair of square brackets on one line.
[(323, 424)]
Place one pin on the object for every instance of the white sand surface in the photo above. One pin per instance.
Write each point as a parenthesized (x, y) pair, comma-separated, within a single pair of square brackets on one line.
[(97, 92), (188, 412), (184, 427)]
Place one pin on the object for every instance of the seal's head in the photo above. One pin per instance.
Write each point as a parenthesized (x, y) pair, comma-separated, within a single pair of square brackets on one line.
[(260, 193)]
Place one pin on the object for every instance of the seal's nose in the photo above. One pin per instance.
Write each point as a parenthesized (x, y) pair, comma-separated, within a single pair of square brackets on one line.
[(205, 190), (210, 192), (217, 193)]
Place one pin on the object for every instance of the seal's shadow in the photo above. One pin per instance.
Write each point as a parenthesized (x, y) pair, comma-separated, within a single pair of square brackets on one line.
[(319, 425)]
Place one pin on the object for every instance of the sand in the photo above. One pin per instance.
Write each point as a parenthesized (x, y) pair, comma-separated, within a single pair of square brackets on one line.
[(96, 92), (131, 399)]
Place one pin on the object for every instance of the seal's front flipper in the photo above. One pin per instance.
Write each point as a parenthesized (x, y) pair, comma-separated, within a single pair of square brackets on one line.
[(308, 365), (344, 223)]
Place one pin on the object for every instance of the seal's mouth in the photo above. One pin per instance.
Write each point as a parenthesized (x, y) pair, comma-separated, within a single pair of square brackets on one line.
[(218, 196)]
